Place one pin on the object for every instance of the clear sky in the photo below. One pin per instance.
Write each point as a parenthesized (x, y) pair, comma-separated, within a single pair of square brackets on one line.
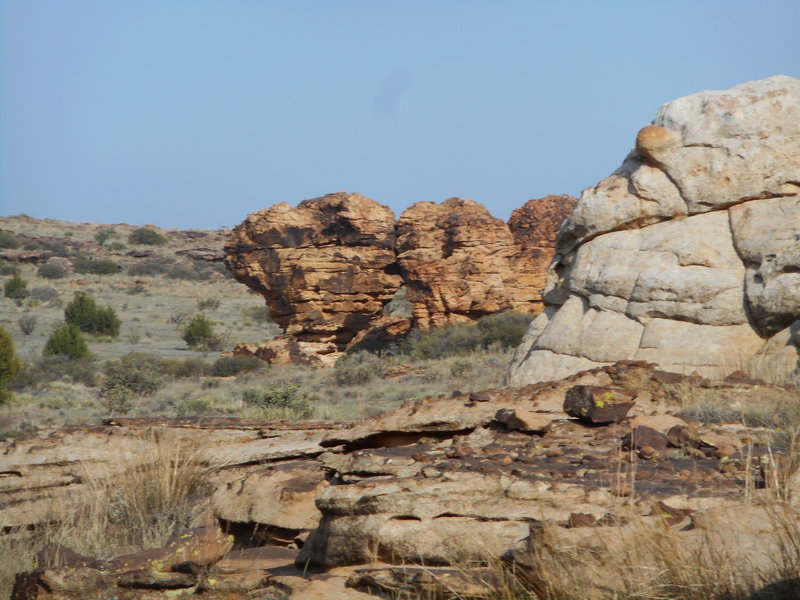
[(193, 113)]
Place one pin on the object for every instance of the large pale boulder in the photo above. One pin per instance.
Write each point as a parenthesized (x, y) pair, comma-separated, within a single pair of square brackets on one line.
[(689, 254)]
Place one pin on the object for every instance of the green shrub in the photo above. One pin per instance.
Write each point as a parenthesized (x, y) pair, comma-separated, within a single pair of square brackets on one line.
[(142, 375), (503, 329), (228, 366), (460, 366), (359, 367), (55, 367), (97, 320), (54, 247), (16, 288), (117, 400), (67, 341), (190, 272), (150, 267), (285, 396), (190, 367), (99, 266), (8, 240), (8, 269), (105, 234), (453, 340), (44, 294), (199, 334), (147, 237), (9, 364), (506, 328), (51, 271)]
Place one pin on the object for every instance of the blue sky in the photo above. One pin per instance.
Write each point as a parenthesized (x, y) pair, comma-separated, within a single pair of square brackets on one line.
[(193, 113)]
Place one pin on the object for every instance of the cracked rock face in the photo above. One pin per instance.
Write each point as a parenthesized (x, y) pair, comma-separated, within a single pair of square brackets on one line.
[(325, 268), (689, 254), (328, 267)]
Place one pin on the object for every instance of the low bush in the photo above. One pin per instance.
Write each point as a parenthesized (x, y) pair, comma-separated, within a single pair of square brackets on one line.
[(8, 240), (503, 329), (8, 269), (142, 375), (228, 366), (506, 328), (51, 271), (117, 400), (441, 342), (52, 246), (16, 288), (44, 294), (286, 397), (83, 312), (67, 341), (190, 367), (27, 324), (99, 266), (55, 367), (150, 267), (146, 237), (199, 334), (105, 234), (190, 272), (359, 367)]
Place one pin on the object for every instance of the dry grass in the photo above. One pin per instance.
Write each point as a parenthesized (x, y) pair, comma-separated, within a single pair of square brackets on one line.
[(647, 560), (121, 511)]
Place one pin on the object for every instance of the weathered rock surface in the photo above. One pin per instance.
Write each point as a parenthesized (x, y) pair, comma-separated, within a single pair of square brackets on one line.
[(689, 254), (460, 263), (327, 268), (418, 500)]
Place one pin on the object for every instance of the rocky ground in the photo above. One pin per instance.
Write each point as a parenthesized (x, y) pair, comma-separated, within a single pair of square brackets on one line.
[(444, 497)]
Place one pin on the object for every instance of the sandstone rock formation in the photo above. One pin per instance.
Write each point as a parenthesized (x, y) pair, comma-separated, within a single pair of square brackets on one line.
[(422, 499), (326, 268), (329, 266), (460, 263), (689, 254)]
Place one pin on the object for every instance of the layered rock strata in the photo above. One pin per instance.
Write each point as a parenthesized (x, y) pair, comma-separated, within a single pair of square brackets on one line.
[(689, 254), (421, 499), (328, 267), (325, 268), (460, 263)]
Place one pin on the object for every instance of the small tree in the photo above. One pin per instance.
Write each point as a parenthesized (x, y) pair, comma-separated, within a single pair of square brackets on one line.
[(83, 312), (9, 364), (199, 333), (67, 341), (16, 288), (146, 236)]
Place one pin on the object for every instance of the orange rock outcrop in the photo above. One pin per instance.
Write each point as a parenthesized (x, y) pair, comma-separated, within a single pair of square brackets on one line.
[(328, 267)]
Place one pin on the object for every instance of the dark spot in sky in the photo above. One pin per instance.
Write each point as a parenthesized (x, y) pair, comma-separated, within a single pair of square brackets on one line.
[(390, 92)]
